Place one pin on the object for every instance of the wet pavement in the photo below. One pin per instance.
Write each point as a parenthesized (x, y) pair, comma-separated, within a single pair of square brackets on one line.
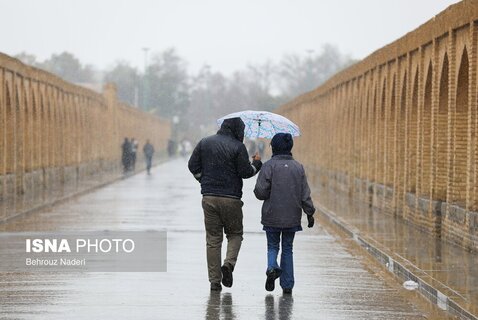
[(446, 267), (334, 280)]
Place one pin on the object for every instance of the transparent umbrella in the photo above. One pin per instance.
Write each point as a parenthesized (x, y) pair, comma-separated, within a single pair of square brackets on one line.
[(263, 124)]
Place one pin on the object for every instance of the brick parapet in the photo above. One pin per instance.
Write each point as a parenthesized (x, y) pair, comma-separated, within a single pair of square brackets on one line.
[(393, 129), (57, 137)]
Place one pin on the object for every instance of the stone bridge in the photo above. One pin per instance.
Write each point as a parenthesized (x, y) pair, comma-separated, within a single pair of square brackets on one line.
[(399, 129), (57, 139)]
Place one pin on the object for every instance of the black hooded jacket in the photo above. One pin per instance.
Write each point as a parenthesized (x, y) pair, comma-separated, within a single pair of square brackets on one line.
[(221, 161)]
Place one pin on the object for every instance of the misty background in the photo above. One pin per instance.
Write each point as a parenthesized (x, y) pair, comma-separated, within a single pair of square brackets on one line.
[(195, 61), (194, 100)]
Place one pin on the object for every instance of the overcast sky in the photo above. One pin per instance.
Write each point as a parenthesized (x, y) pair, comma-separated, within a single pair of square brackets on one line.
[(227, 35)]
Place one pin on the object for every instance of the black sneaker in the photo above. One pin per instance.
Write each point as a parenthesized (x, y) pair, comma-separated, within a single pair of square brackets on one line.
[(272, 275), (216, 287), (287, 291), (226, 270)]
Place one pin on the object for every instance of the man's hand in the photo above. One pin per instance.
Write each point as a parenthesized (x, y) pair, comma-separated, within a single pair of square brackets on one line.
[(311, 221), (256, 157)]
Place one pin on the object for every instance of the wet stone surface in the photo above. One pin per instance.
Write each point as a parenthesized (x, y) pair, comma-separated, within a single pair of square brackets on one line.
[(444, 265), (332, 281)]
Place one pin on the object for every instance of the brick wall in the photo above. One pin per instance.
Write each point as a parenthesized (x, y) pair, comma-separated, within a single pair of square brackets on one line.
[(398, 130), (57, 138)]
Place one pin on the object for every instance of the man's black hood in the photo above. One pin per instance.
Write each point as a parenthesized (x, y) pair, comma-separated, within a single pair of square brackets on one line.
[(233, 127)]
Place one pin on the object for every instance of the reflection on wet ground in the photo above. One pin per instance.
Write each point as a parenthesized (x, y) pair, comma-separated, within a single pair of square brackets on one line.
[(332, 281), (439, 263)]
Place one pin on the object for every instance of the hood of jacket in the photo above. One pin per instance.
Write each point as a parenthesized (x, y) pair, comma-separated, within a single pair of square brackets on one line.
[(233, 127)]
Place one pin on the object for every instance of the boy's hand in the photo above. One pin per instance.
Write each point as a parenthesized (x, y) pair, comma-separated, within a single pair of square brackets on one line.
[(311, 221), (256, 157)]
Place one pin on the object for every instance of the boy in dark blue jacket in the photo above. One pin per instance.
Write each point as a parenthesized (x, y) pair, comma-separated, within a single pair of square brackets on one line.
[(283, 186)]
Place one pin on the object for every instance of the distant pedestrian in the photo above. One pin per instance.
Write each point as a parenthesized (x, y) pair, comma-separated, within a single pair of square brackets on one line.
[(134, 151), (252, 148), (261, 146), (148, 150), (187, 147), (219, 163), (283, 186), (171, 148), (126, 154)]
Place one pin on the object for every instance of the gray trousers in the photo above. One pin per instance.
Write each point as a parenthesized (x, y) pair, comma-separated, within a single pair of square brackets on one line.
[(222, 215)]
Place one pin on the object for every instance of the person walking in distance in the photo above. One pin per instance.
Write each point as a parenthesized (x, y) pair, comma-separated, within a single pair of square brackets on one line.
[(220, 162), (126, 154), (283, 186), (134, 150), (148, 150)]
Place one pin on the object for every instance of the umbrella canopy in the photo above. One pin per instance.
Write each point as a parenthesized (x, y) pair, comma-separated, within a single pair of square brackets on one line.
[(263, 124)]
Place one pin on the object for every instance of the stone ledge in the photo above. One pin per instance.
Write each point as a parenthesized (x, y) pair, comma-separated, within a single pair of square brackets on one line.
[(404, 271), (91, 186), (454, 213)]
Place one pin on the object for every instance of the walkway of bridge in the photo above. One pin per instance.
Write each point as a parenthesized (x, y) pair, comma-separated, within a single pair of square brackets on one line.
[(334, 278)]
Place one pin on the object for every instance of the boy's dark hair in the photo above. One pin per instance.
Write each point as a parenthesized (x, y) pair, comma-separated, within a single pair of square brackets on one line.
[(282, 143)]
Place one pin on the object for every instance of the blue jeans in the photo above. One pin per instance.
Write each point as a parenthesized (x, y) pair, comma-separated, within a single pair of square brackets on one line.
[(286, 259)]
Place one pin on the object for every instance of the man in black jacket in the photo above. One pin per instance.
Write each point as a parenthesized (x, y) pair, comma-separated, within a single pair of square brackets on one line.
[(220, 162)]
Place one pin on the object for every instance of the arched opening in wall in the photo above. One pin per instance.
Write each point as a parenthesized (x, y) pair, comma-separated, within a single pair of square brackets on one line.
[(60, 111), (19, 146), (460, 138), (57, 137), (412, 138), (365, 147), (442, 135), (52, 145), (373, 136), (400, 144), (10, 133), (81, 132), (62, 133), (35, 135), (348, 131), (426, 136), (76, 129), (27, 133), (391, 142), (44, 133), (66, 129), (382, 135)]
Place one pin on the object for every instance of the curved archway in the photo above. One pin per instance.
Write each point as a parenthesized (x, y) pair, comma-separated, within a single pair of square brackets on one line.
[(412, 137), (365, 124), (374, 135), (19, 165), (51, 129), (10, 133), (460, 137), (381, 135), (390, 134), (441, 133), (35, 136), (400, 139), (426, 134), (28, 132), (45, 132)]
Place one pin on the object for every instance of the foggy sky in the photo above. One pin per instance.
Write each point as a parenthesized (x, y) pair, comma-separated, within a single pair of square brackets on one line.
[(223, 34)]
